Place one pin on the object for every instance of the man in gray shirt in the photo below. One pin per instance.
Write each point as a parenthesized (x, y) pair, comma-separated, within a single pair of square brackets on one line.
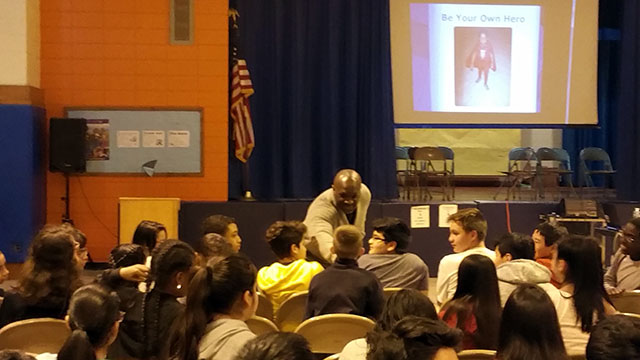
[(389, 260)]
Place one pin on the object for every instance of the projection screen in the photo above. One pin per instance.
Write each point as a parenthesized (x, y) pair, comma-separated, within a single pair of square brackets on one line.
[(507, 63)]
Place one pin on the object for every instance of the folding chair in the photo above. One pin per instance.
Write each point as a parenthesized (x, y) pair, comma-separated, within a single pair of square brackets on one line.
[(593, 156), (328, 334), (35, 336), (291, 312), (259, 325)]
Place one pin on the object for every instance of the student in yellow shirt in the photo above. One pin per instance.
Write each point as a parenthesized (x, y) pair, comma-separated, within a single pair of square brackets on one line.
[(291, 273)]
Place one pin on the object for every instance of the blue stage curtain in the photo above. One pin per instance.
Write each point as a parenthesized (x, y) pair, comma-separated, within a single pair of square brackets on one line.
[(604, 136), (322, 78), (628, 140)]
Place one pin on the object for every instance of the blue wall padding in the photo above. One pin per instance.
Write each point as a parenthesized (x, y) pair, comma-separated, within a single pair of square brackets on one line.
[(22, 178)]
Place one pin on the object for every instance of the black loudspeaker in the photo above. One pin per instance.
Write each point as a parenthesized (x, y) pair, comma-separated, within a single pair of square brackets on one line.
[(67, 143)]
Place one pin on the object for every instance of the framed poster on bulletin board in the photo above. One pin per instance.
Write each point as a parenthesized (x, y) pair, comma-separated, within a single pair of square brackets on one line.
[(138, 141)]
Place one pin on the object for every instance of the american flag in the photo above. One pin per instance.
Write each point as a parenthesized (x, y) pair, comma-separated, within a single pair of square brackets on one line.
[(241, 89)]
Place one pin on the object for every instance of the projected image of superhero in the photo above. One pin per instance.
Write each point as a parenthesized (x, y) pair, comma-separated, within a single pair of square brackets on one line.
[(482, 58)]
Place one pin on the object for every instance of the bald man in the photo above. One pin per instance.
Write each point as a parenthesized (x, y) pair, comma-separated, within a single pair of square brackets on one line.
[(345, 203)]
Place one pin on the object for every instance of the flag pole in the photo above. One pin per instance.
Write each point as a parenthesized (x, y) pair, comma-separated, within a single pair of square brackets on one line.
[(240, 85)]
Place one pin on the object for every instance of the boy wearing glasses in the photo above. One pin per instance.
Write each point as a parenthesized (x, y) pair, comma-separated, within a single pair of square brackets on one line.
[(624, 273), (389, 260)]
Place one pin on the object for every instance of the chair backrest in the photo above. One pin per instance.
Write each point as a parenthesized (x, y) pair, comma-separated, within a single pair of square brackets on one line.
[(35, 336), (387, 292), (259, 325), (265, 308), (428, 153), (477, 354), (596, 154), (402, 152), (291, 312), (631, 315), (627, 302), (578, 356), (522, 159), (329, 334)]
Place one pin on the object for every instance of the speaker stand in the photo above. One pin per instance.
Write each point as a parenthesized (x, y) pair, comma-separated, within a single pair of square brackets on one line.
[(66, 217)]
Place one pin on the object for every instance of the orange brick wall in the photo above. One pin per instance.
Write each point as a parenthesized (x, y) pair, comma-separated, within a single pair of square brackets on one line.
[(116, 53)]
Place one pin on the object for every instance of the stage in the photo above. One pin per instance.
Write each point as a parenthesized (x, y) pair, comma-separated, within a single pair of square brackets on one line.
[(253, 218)]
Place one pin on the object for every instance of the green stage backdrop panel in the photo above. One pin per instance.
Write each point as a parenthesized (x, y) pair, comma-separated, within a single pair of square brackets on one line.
[(121, 140)]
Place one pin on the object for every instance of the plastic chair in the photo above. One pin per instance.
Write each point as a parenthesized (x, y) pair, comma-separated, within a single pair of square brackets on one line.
[(449, 156), (560, 167), (35, 336), (265, 308), (477, 354), (627, 302), (291, 312), (637, 316), (259, 325), (387, 292), (580, 356), (430, 163), (594, 155), (328, 334), (332, 357), (521, 168)]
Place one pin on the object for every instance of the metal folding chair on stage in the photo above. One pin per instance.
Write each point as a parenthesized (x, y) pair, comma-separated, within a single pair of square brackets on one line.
[(403, 168), (553, 165), (593, 156), (431, 164), (521, 168)]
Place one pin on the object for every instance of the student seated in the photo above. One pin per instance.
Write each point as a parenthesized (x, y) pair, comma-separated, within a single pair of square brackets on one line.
[(529, 328), (291, 273), (399, 305), (475, 307), (624, 273), (343, 287), (222, 296), (581, 301), (515, 265), (467, 231), (146, 326), (4, 272), (225, 226), (16, 355), (545, 236), (212, 245), (416, 338), (276, 346), (615, 337), (51, 274), (123, 256), (94, 319), (148, 234), (389, 260)]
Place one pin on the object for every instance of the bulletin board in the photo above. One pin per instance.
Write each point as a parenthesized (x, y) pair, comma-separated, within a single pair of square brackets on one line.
[(128, 140)]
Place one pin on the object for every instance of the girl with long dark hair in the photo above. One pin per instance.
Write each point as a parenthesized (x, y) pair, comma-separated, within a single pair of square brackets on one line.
[(399, 305), (475, 307), (581, 299), (94, 318), (529, 328), (49, 276), (148, 234), (147, 325), (222, 296)]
